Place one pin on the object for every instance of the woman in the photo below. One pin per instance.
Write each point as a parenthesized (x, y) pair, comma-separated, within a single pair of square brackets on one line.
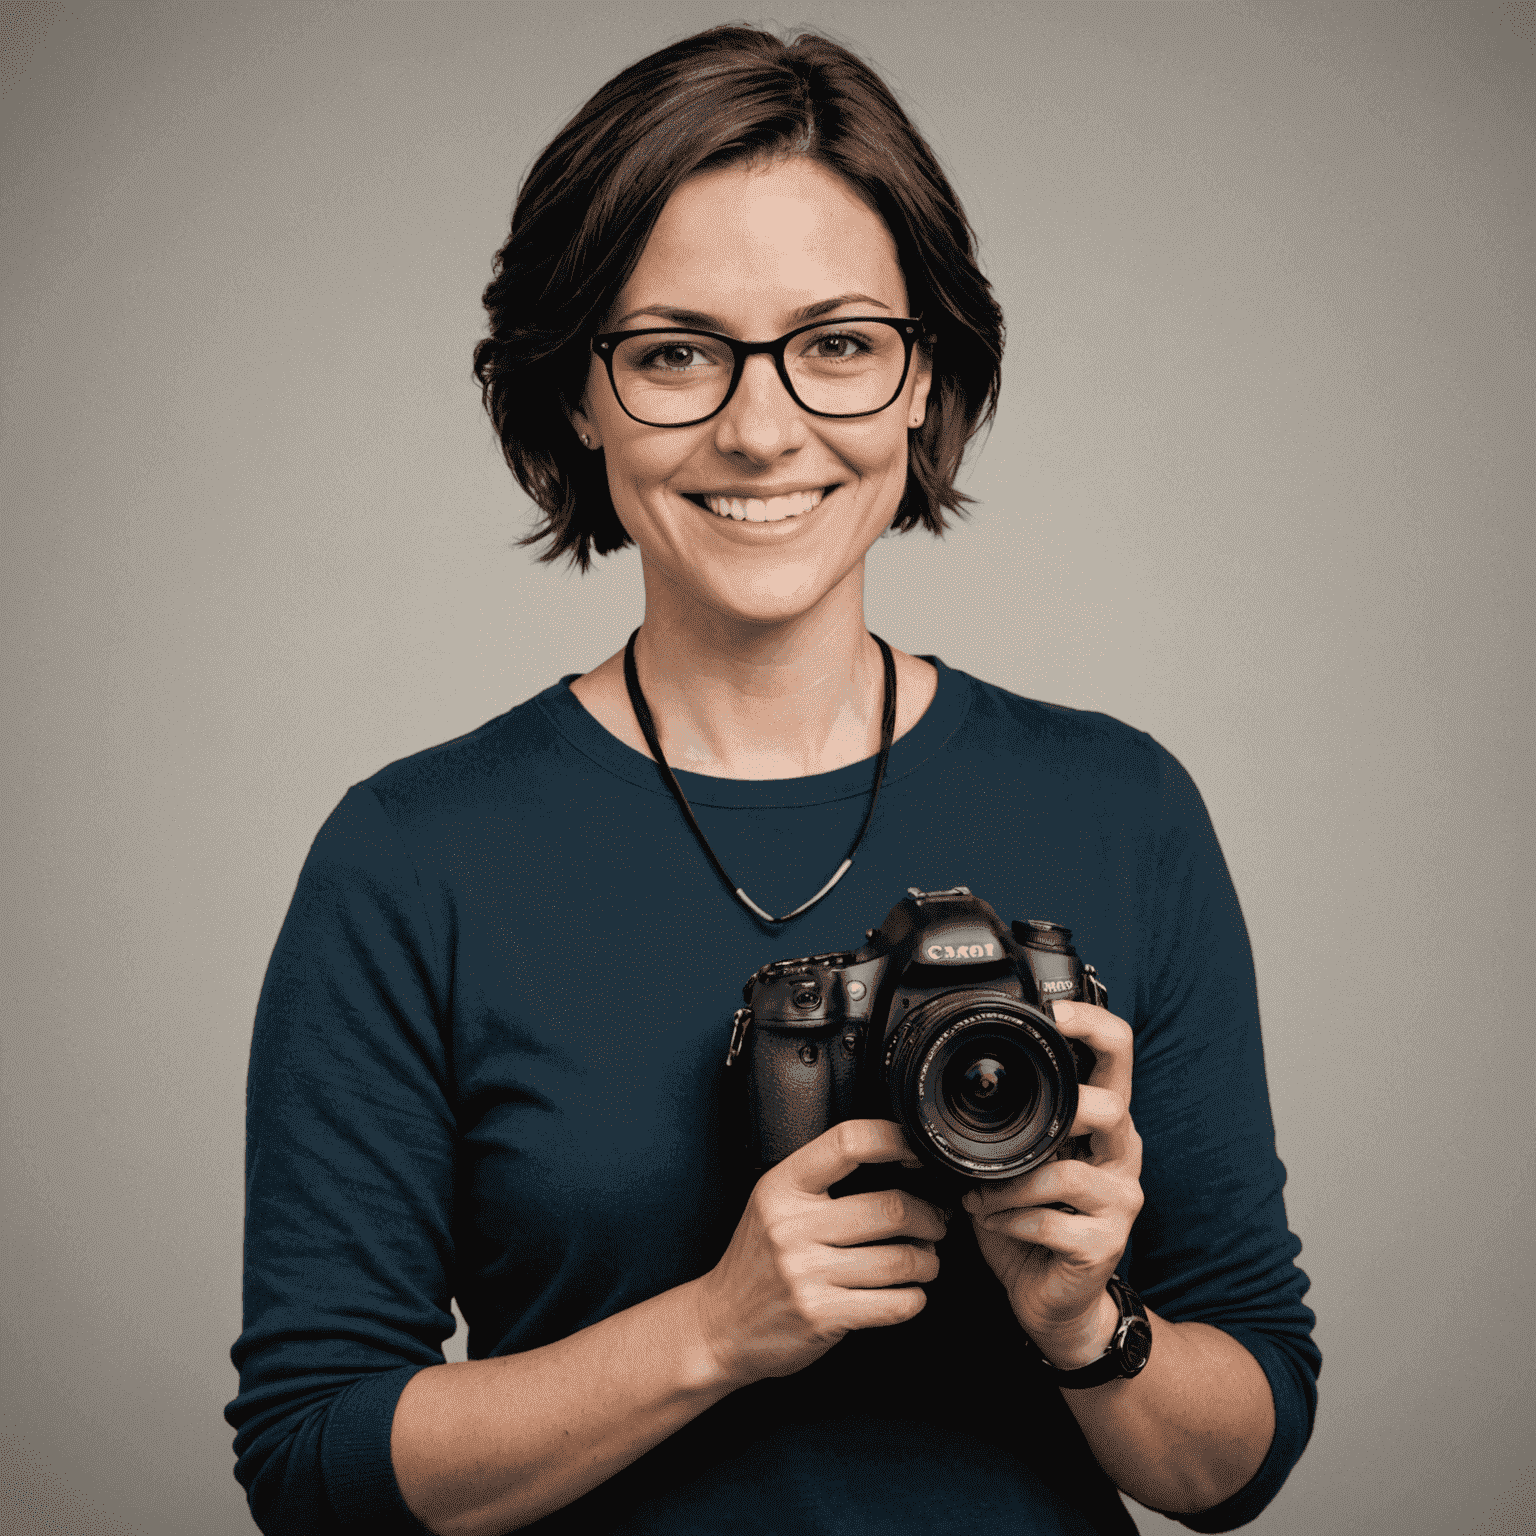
[(738, 323)]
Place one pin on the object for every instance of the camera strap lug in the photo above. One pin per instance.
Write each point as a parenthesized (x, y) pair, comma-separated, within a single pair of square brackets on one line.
[(741, 1022), (1094, 990)]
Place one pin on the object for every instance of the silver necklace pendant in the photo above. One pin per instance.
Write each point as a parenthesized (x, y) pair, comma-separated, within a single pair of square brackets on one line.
[(648, 730)]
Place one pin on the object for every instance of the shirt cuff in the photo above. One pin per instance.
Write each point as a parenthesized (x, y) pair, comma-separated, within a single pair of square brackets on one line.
[(1295, 1397), (355, 1462)]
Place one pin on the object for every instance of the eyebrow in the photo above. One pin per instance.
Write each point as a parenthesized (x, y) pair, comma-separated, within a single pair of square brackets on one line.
[(699, 320)]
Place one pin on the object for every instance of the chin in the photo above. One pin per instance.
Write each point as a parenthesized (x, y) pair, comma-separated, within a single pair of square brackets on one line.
[(776, 597)]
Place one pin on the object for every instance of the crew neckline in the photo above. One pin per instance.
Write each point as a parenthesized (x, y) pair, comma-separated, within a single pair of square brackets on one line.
[(934, 727)]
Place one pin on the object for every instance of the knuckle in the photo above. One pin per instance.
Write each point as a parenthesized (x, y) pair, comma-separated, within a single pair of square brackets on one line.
[(779, 1233), (773, 1192), (921, 1264), (832, 1332), (811, 1303), (765, 1190), (808, 1314), (796, 1265), (1104, 1107)]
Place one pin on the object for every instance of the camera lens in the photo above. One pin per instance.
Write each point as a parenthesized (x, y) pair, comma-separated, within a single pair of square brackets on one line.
[(990, 1087), (982, 1083)]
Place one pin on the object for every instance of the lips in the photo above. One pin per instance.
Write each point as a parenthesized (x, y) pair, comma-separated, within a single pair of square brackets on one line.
[(760, 509)]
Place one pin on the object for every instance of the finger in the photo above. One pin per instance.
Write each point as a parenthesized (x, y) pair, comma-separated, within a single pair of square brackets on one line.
[(814, 1168), (1119, 1148), (1090, 1189), (1104, 1118), (882, 1308), (1108, 1037), (1099, 1109), (884, 1214), (883, 1264), (1083, 1240)]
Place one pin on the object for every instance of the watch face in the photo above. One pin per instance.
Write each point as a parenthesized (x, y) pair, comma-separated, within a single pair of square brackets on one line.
[(1135, 1345)]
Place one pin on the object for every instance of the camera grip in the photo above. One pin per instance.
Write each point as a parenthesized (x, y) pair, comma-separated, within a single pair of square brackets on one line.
[(800, 1084)]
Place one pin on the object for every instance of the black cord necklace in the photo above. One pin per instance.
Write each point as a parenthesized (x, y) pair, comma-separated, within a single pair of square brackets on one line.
[(648, 729)]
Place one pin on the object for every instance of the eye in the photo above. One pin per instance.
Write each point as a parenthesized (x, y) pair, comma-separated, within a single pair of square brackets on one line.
[(837, 344), (674, 357)]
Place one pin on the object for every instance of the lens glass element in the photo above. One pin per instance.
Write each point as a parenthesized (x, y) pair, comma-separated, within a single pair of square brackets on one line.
[(990, 1086)]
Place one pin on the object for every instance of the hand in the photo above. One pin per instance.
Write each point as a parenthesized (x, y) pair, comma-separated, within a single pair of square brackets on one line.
[(1053, 1263), (794, 1279)]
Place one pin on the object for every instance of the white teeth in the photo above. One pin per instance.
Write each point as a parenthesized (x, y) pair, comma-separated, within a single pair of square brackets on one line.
[(752, 509)]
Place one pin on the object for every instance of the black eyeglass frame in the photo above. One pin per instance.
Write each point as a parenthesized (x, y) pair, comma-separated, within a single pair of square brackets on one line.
[(908, 327)]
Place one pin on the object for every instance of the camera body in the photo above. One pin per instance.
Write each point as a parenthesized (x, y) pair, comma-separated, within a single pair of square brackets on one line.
[(940, 1022)]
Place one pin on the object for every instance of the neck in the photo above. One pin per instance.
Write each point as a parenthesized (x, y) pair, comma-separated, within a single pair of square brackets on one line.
[(762, 700)]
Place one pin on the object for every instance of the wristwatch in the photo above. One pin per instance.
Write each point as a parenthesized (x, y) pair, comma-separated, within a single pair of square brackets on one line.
[(1128, 1350)]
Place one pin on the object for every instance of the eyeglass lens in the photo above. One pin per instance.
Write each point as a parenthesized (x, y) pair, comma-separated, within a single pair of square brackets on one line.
[(842, 369)]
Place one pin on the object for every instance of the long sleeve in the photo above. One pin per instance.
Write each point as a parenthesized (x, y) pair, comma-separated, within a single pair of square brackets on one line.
[(1212, 1243), (487, 1065), (349, 1188)]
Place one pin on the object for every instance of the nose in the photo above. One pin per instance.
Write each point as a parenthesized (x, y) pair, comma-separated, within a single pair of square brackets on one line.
[(761, 420)]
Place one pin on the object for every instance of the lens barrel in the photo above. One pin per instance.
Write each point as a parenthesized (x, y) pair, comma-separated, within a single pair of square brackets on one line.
[(982, 1082)]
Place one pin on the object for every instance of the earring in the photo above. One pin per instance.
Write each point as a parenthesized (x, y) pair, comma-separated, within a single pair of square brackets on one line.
[(586, 442)]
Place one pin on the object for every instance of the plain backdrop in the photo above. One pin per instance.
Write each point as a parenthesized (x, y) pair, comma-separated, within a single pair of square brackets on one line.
[(1261, 483)]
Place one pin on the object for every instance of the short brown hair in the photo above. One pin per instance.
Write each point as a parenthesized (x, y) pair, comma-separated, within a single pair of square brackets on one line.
[(587, 208)]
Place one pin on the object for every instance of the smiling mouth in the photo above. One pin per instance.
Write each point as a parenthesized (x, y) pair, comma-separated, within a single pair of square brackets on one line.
[(757, 509)]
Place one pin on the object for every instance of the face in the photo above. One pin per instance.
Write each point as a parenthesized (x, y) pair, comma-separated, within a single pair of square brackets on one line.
[(753, 252)]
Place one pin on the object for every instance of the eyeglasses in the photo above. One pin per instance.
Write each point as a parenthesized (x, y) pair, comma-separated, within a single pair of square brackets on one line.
[(664, 377)]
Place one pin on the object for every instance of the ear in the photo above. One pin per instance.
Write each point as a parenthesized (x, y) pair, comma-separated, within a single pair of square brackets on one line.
[(922, 380), (584, 428)]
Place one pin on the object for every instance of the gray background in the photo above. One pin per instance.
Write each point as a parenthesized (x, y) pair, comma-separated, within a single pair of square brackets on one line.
[(1261, 484)]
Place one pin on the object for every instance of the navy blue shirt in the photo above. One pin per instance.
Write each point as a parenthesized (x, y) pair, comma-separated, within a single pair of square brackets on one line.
[(488, 1062)]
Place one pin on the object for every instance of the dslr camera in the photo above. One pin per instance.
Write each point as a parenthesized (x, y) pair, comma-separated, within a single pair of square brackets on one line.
[(940, 1022)]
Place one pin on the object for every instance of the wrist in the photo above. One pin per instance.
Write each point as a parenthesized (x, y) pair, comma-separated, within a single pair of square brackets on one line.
[(1082, 1342), (705, 1371)]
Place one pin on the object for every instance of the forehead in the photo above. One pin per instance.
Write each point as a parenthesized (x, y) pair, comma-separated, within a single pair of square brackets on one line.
[(763, 238)]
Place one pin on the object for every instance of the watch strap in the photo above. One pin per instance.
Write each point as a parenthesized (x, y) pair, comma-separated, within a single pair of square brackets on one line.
[(1128, 1349)]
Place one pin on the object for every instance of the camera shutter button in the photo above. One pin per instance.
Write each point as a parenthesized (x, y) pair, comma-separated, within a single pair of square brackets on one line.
[(806, 996)]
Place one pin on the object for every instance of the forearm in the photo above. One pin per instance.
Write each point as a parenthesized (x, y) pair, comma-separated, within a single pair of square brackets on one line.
[(487, 1446), (1190, 1429)]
